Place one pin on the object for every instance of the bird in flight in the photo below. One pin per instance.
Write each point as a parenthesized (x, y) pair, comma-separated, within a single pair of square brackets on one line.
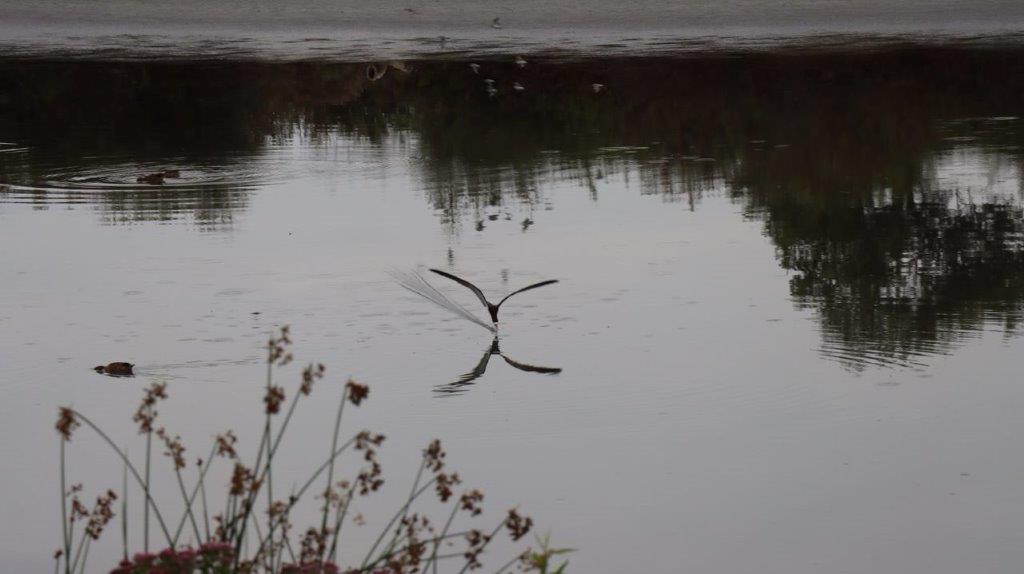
[(491, 307)]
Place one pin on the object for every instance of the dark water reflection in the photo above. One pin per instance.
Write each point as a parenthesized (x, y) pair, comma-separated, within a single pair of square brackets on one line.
[(888, 181), (461, 384)]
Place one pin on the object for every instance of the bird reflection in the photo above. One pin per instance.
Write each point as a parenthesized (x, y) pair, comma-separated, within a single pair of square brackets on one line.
[(461, 384)]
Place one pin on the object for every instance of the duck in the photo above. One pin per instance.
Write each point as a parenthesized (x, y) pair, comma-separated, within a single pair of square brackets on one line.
[(117, 369)]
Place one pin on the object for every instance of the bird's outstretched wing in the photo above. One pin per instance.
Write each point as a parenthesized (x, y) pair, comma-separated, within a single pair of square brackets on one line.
[(532, 368), (527, 288), (476, 290)]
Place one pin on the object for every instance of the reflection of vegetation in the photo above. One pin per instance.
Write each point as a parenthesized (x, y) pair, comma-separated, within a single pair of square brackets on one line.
[(849, 159), (844, 157), (93, 128)]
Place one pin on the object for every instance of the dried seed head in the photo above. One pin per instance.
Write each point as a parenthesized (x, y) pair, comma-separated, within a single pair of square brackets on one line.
[(277, 508), (175, 449), (273, 399), (444, 483), (356, 393), (365, 441), (66, 423), (517, 525), (242, 479), (226, 445), (434, 456), (470, 502), (277, 348), (369, 479), (310, 375), (477, 541), (78, 510), (101, 515), (312, 546), (146, 413)]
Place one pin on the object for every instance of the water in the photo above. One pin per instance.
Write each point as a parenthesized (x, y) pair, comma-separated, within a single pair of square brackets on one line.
[(332, 30), (785, 337)]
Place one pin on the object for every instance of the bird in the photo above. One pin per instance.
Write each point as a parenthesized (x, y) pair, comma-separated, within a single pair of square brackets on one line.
[(496, 23), (118, 369), (518, 87), (475, 68), (597, 87), (491, 307), (520, 61)]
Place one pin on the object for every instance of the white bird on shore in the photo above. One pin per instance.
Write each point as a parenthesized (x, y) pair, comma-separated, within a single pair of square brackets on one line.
[(520, 62)]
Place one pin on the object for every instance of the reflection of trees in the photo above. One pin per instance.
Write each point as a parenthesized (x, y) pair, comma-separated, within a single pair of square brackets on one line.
[(93, 128), (850, 160), (839, 155), (897, 260)]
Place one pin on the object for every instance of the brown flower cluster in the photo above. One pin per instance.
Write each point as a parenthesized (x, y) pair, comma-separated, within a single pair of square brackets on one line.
[(471, 501), (66, 422), (273, 399), (434, 456), (517, 525), (278, 508), (175, 449), (277, 348), (310, 375), (444, 483), (226, 445), (243, 480), (337, 495), (146, 413), (312, 547), (370, 479), (409, 559), (477, 541), (366, 440), (356, 393), (101, 515), (78, 510)]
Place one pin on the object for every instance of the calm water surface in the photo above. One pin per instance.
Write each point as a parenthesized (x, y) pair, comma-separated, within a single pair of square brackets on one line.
[(788, 321)]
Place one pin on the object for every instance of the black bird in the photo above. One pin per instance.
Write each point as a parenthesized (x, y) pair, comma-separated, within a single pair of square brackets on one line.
[(491, 308)]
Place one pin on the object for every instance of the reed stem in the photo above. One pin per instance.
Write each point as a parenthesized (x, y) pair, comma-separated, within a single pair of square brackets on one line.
[(133, 470), (330, 472), (145, 511), (64, 526)]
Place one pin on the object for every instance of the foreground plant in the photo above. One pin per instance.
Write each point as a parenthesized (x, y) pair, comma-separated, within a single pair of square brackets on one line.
[(249, 529)]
